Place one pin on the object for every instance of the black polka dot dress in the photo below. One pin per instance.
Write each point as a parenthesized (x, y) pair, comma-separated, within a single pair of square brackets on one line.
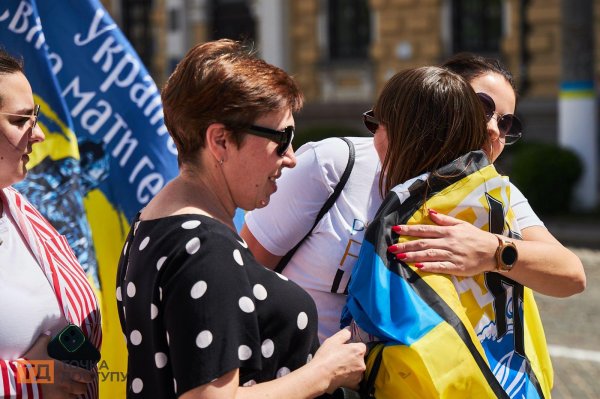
[(194, 304)]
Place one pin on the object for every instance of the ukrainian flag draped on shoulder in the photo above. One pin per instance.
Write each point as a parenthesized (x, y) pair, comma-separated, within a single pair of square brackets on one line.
[(107, 151), (445, 336)]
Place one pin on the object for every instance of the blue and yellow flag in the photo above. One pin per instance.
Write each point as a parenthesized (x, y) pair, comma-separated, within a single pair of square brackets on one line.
[(107, 151), (446, 336)]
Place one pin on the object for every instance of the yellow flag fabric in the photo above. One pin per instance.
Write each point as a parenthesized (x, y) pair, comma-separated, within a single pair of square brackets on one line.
[(445, 336)]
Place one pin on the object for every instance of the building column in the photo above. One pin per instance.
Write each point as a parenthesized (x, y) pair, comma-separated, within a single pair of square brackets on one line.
[(272, 18), (176, 22), (577, 108), (198, 20)]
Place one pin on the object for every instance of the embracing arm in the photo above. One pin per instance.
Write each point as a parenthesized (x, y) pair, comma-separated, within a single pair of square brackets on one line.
[(335, 364), (261, 254), (292, 210), (459, 248), (547, 266)]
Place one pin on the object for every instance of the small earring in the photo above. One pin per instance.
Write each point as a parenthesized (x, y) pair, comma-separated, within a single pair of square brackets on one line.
[(221, 162)]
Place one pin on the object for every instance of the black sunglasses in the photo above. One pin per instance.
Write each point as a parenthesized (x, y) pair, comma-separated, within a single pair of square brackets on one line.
[(282, 137), (509, 125), (371, 123)]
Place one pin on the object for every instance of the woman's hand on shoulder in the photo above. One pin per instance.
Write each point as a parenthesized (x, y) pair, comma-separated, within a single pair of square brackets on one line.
[(452, 246), (458, 248), (342, 363)]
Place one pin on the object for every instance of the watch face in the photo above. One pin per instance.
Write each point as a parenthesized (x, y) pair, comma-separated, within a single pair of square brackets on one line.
[(509, 255)]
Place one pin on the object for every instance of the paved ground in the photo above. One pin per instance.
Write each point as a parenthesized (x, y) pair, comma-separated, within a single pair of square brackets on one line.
[(572, 328)]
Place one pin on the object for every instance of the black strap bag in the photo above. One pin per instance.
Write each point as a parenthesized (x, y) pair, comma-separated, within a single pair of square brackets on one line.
[(328, 204)]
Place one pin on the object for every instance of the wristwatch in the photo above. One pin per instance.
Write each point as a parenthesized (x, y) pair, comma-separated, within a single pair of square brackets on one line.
[(506, 255)]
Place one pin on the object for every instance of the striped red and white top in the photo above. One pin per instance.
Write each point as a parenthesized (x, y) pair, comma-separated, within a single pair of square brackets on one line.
[(73, 292)]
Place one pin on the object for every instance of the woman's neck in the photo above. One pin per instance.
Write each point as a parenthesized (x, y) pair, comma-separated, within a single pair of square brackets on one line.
[(208, 195), (194, 192), (201, 187)]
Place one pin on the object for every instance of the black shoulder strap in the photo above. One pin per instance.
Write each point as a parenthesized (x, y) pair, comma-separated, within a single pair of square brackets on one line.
[(367, 385), (328, 204)]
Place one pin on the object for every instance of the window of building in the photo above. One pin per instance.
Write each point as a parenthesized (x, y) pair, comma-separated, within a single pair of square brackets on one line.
[(174, 18), (477, 26), (136, 16), (232, 19), (349, 29)]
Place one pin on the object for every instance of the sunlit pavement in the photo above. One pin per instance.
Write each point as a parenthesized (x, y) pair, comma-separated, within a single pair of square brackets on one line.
[(572, 328)]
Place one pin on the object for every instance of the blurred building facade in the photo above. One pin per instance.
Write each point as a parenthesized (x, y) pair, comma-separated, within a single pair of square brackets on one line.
[(342, 51)]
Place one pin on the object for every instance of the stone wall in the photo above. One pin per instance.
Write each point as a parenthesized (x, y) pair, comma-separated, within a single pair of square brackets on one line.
[(304, 39), (543, 47), (405, 33)]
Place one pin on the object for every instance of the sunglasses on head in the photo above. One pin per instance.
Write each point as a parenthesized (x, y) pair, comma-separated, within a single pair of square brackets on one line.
[(371, 123), (283, 138), (508, 124)]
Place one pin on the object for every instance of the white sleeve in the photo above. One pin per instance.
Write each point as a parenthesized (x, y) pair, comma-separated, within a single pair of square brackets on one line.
[(525, 215), (292, 210)]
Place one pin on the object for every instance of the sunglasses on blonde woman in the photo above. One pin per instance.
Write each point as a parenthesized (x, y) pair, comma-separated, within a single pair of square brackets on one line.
[(371, 123), (34, 115), (508, 124)]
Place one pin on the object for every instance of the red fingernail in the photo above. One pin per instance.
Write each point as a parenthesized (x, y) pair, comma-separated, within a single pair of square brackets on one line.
[(419, 265), (392, 248), (401, 256), (433, 211), (396, 229)]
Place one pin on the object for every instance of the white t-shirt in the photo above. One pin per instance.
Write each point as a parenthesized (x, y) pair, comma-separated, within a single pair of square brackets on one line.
[(323, 263), (29, 305)]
